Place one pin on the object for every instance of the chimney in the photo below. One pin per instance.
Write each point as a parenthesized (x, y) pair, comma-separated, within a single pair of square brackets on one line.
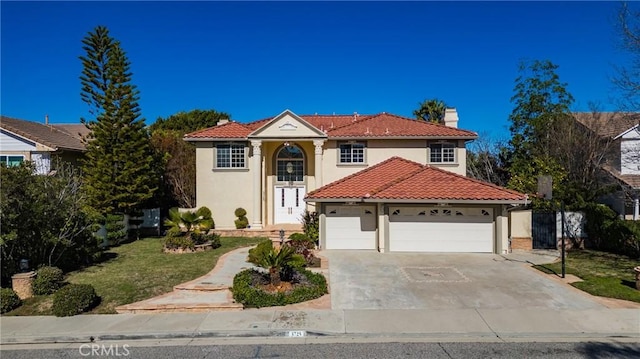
[(46, 119), (223, 121), (451, 118)]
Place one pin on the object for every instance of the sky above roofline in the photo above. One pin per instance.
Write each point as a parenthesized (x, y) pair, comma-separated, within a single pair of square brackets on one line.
[(255, 59)]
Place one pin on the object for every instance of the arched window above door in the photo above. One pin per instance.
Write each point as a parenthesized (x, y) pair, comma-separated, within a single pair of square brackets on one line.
[(290, 164)]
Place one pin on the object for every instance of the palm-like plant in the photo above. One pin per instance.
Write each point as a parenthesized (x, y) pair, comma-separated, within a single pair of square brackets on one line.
[(188, 222), (431, 111), (274, 260)]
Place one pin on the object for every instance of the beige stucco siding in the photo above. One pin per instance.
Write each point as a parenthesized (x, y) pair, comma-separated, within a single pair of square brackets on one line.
[(521, 224), (222, 191), (380, 150)]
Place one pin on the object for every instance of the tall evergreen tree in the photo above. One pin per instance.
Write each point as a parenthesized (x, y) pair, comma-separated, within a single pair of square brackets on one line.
[(118, 170)]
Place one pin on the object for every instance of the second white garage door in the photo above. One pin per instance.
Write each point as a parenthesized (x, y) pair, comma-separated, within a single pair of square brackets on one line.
[(440, 229), (350, 227)]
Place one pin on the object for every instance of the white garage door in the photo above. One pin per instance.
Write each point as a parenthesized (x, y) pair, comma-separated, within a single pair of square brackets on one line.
[(350, 227), (440, 229)]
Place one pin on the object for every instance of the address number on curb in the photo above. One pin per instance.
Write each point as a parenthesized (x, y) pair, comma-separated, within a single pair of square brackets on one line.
[(296, 333)]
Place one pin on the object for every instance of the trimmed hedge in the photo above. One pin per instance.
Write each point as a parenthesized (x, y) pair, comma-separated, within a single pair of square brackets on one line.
[(9, 300), (202, 238), (47, 280), (242, 221), (179, 242), (308, 286), (74, 299)]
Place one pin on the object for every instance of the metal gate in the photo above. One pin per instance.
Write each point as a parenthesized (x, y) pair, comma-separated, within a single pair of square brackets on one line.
[(543, 226)]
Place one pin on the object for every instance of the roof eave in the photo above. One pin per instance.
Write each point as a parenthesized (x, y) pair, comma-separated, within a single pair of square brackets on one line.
[(402, 137), (514, 202), (213, 139)]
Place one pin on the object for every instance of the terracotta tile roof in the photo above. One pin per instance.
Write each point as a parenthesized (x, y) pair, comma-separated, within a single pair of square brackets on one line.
[(228, 130), (388, 125), (607, 124), (347, 126), (401, 179), (48, 135)]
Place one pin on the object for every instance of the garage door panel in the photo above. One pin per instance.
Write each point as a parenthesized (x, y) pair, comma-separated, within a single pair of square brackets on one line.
[(420, 230), (349, 227)]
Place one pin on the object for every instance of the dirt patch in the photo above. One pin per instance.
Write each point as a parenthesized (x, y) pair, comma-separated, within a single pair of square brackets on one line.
[(283, 287)]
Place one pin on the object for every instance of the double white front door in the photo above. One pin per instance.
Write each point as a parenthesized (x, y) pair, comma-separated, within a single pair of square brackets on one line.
[(289, 204)]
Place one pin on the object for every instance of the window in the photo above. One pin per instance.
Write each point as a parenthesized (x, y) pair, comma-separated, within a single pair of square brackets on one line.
[(290, 164), (442, 153), (352, 153), (230, 156), (11, 161)]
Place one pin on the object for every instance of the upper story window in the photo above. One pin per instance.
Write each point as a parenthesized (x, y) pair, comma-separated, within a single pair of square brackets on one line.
[(11, 161), (352, 153), (290, 164), (230, 155), (442, 153)]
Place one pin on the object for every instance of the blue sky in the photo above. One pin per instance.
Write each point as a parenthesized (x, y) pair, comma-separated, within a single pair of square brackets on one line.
[(255, 59)]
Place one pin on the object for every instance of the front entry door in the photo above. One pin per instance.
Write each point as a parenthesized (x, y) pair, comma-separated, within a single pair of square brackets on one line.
[(289, 204)]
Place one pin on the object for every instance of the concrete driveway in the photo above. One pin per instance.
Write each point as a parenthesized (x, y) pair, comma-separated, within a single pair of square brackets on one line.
[(372, 280)]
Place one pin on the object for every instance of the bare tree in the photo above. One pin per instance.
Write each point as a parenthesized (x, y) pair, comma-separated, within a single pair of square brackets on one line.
[(627, 78), (484, 160)]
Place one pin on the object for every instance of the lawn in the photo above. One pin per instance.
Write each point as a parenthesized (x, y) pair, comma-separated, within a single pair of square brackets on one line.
[(136, 271), (603, 274)]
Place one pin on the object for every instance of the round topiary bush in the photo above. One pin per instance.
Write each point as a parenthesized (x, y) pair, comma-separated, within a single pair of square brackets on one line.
[(74, 299), (9, 300), (47, 280), (240, 212), (248, 288)]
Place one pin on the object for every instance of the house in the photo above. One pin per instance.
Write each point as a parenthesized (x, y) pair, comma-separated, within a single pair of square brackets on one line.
[(380, 181), (40, 143), (621, 130)]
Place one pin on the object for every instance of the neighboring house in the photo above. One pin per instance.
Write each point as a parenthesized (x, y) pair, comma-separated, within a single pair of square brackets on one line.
[(40, 143), (379, 181), (621, 130)]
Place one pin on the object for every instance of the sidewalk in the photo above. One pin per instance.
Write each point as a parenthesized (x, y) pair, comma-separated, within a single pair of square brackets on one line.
[(455, 325)]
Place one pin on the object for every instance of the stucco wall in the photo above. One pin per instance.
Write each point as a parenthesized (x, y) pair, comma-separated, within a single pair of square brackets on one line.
[(521, 223), (380, 150), (630, 153), (222, 191)]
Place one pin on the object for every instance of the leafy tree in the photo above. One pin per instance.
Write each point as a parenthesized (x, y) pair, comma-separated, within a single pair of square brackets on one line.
[(44, 219), (118, 166), (432, 110), (177, 157), (542, 106)]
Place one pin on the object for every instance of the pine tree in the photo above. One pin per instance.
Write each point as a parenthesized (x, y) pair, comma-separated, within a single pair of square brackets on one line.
[(118, 170)]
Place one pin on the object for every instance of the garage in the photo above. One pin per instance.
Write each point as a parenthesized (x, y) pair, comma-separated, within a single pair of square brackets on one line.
[(441, 229), (350, 227)]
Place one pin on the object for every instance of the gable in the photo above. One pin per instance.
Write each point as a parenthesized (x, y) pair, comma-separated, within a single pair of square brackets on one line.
[(631, 134), (287, 125), (12, 142)]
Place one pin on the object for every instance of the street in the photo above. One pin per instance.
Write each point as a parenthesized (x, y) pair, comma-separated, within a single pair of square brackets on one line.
[(339, 350)]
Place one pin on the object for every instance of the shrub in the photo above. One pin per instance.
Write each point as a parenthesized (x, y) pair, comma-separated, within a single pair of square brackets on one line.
[(242, 221), (116, 229), (188, 221), (9, 300), (259, 251), (201, 238), (311, 225), (47, 280), (609, 233), (303, 246), (246, 288), (74, 299), (240, 212), (179, 242)]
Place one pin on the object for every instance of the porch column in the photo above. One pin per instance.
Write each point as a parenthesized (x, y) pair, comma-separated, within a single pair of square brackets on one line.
[(318, 161), (636, 208), (257, 180)]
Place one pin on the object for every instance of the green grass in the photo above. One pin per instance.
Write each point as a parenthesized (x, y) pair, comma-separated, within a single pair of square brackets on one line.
[(138, 270), (603, 274)]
